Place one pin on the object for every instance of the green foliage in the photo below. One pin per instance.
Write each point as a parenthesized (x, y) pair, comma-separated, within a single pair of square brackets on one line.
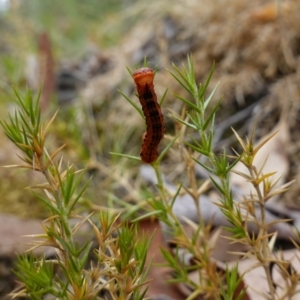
[(120, 252), (232, 284), (202, 122), (69, 22), (194, 139), (64, 187)]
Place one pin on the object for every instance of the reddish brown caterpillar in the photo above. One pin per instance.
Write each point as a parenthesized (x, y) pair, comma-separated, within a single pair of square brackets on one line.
[(143, 79)]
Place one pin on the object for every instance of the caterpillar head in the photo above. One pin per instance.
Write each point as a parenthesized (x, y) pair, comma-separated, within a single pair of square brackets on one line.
[(143, 76)]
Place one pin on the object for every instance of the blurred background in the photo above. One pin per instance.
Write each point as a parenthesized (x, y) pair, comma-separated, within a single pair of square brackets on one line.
[(76, 54)]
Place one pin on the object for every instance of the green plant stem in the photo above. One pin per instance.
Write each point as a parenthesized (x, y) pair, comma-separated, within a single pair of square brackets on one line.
[(160, 182), (264, 253)]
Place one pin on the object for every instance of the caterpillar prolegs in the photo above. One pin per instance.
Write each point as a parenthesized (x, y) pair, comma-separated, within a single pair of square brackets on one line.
[(143, 79)]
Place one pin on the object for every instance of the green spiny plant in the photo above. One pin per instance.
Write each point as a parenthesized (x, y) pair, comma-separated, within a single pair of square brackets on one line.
[(119, 267), (199, 118), (120, 257), (196, 244)]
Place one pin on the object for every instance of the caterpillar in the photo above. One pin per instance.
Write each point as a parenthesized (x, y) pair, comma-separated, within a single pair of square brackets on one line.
[(143, 79)]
